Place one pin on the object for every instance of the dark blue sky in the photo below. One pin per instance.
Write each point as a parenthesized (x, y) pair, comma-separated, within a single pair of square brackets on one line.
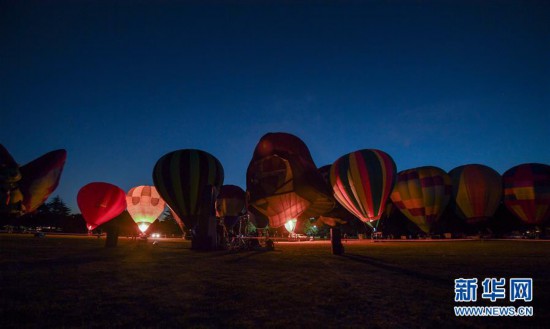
[(441, 83)]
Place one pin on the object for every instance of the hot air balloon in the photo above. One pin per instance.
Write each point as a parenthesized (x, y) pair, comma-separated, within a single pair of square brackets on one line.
[(477, 191), (422, 194), (100, 202), (527, 192), (40, 178), (283, 182), (362, 182), (10, 175), (339, 214), (144, 205), (184, 179), (230, 204)]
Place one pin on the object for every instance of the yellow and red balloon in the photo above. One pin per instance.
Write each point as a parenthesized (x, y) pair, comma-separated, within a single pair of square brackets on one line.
[(422, 194), (527, 192)]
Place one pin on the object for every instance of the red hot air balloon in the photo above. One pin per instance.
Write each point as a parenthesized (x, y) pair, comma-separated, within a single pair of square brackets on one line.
[(100, 202), (527, 192), (362, 182), (477, 191), (144, 205), (422, 194)]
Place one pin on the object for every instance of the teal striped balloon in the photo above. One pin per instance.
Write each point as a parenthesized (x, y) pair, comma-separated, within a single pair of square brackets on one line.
[(183, 177)]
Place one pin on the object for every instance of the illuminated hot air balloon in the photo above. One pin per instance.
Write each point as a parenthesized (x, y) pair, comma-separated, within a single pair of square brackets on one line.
[(283, 182), (100, 202), (183, 178), (40, 178), (230, 204), (477, 191), (144, 205), (362, 182), (422, 194), (527, 192)]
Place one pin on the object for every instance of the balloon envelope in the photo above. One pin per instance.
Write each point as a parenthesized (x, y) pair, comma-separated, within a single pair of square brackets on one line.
[(144, 205), (230, 204), (183, 177), (527, 192), (362, 182), (477, 192), (40, 178), (100, 202), (282, 180), (422, 194)]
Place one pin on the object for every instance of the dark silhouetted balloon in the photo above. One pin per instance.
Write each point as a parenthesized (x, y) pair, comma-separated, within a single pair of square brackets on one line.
[(282, 180), (477, 192), (183, 177), (100, 202), (422, 194), (362, 182), (230, 204), (527, 192)]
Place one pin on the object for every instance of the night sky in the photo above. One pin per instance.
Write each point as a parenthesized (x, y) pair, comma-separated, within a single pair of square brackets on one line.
[(441, 83)]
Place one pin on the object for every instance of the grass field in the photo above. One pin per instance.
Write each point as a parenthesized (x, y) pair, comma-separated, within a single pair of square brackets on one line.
[(68, 281)]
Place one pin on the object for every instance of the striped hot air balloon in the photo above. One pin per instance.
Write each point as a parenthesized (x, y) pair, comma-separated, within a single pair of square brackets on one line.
[(527, 192), (362, 182), (422, 194), (477, 192), (183, 178), (144, 205)]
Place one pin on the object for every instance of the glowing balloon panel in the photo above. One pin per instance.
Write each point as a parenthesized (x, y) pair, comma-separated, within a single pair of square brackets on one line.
[(362, 182), (527, 192), (290, 225), (422, 194)]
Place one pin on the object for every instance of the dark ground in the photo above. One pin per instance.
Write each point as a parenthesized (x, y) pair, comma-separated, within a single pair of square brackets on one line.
[(69, 281)]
